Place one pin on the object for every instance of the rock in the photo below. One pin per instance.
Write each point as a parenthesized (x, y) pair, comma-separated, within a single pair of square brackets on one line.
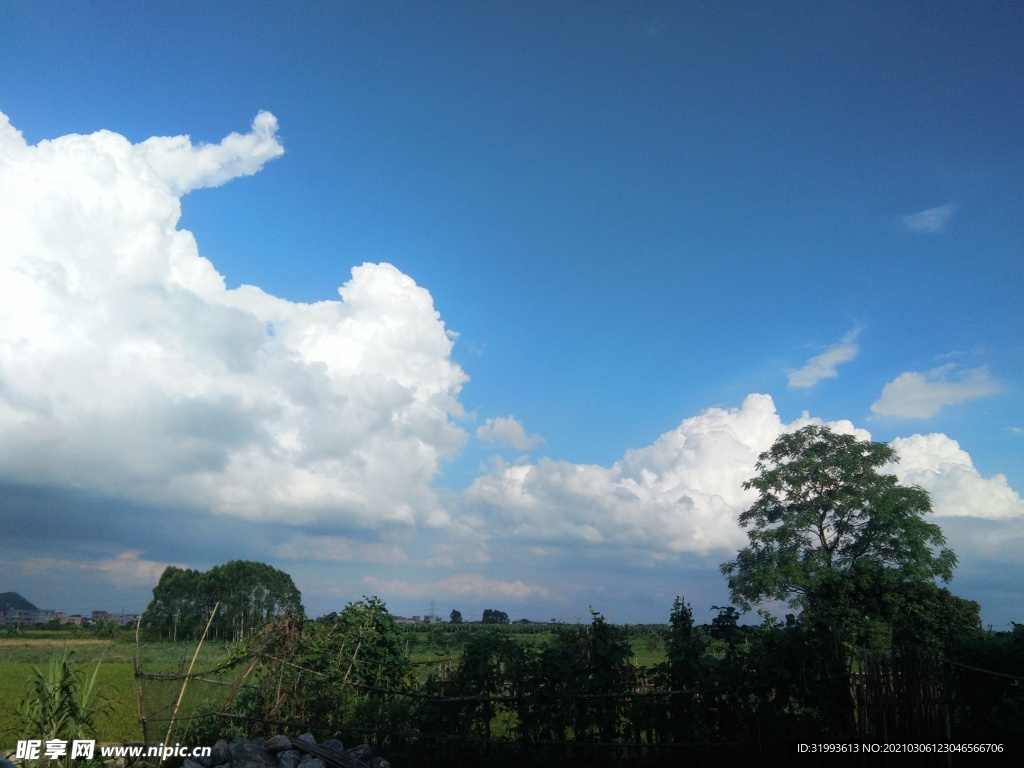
[(276, 752), (190, 763), (362, 753), (5, 763), (333, 744), (278, 744), (251, 754), (220, 753)]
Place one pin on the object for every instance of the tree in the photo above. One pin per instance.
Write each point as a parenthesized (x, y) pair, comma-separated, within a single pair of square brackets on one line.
[(848, 545), (827, 523), (250, 594), (456, 617), (492, 616)]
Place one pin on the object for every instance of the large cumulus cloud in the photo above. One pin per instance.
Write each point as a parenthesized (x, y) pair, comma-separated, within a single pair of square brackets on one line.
[(128, 367), (683, 493)]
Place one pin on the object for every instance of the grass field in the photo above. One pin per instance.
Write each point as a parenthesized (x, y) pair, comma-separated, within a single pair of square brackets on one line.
[(19, 655), (429, 652)]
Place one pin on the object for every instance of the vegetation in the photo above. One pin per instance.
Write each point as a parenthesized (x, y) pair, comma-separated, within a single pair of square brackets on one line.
[(719, 682), (492, 616), (826, 519), (62, 702), (250, 594), (849, 547)]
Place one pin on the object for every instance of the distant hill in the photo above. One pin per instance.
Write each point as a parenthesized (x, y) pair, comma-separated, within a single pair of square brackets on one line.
[(12, 601)]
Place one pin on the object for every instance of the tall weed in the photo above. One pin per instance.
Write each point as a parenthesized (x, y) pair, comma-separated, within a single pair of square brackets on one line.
[(63, 702)]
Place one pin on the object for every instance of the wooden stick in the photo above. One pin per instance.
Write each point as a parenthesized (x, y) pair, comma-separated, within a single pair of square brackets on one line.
[(184, 683)]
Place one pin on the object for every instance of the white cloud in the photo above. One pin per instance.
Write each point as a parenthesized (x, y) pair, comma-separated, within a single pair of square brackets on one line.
[(184, 167), (127, 569), (681, 494), (128, 368), (507, 429), (938, 464), (459, 585), (931, 220), (684, 492), (914, 395), (823, 366)]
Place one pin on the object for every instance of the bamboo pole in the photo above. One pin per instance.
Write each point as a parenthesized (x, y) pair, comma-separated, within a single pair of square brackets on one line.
[(138, 684), (184, 683)]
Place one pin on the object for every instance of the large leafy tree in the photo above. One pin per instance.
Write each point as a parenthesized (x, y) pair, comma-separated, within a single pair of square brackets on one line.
[(834, 536), (828, 522), (250, 594)]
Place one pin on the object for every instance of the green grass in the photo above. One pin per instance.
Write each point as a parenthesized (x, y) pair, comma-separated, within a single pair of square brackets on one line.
[(118, 685), (19, 655), (435, 653)]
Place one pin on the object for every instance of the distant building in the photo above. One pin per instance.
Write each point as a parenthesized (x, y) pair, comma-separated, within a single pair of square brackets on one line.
[(122, 619), (34, 616)]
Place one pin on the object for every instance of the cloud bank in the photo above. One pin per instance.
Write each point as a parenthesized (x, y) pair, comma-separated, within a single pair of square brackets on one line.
[(127, 569), (127, 367), (683, 493), (938, 464)]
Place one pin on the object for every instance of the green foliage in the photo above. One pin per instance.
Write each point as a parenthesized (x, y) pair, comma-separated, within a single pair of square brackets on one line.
[(492, 616), (250, 594), (825, 510), (455, 617), (990, 707), (344, 671), (63, 702)]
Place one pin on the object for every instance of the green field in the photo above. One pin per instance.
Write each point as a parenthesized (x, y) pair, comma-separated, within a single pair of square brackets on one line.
[(430, 652), (19, 655)]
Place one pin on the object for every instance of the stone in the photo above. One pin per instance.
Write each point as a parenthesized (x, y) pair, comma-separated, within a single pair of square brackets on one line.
[(277, 744), (220, 753), (251, 754), (308, 738), (290, 758), (333, 744), (362, 753)]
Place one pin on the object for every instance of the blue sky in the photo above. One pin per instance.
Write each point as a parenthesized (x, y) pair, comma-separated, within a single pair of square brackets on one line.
[(629, 244)]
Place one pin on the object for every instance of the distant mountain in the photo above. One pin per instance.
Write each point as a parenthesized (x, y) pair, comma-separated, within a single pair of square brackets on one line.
[(12, 601)]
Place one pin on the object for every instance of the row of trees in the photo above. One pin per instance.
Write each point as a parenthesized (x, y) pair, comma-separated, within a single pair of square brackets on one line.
[(250, 594), (722, 683)]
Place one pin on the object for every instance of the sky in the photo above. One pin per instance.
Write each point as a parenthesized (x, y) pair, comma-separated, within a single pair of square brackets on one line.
[(495, 305)]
